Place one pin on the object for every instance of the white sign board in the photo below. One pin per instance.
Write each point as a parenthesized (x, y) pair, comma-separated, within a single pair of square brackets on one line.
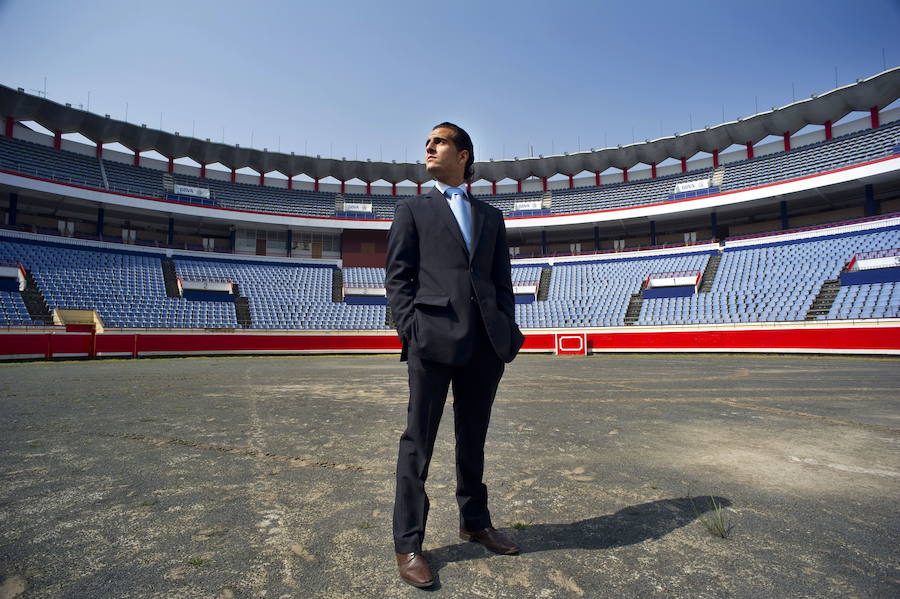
[(368, 291), (187, 190), (9, 272), (673, 279), (350, 207), (206, 286), (529, 205), (691, 185), (873, 263)]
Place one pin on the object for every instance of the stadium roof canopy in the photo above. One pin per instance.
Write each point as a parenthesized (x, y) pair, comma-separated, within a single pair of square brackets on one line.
[(877, 91)]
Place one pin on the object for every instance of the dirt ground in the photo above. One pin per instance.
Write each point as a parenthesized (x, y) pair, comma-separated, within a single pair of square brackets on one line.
[(273, 477)]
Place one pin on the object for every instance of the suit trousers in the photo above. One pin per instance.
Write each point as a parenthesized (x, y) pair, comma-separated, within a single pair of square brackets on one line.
[(474, 387)]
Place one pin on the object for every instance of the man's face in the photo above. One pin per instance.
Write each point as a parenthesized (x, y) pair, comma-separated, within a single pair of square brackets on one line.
[(443, 160)]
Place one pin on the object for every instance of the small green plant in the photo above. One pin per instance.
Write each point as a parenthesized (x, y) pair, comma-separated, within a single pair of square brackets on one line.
[(198, 561), (364, 525), (519, 525), (716, 520)]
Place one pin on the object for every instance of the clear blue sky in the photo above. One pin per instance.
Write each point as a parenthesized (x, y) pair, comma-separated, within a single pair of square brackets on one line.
[(369, 79)]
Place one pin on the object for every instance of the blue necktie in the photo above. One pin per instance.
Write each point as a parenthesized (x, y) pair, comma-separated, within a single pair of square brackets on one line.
[(460, 208)]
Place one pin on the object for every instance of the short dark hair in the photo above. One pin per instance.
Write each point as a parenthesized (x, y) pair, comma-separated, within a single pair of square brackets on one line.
[(463, 142)]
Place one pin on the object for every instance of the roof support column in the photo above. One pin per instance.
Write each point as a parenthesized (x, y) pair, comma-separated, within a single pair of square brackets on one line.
[(596, 238), (9, 126), (418, 188), (289, 244), (393, 189), (871, 205), (368, 188), (683, 164), (203, 170), (571, 181), (290, 185), (787, 141), (715, 159), (493, 188), (749, 151), (714, 225), (100, 214), (544, 249), (652, 232), (137, 158), (233, 175), (469, 187), (98, 152), (57, 140), (785, 221), (518, 186), (597, 178), (827, 130), (873, 113), (171, 165), (13, 208), (653, 170), (262, 179), (625, 175), (544, 182), (315, 185), (343, 186)]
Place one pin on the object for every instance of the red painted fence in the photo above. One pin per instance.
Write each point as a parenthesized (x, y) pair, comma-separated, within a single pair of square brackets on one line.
[(871, 337)]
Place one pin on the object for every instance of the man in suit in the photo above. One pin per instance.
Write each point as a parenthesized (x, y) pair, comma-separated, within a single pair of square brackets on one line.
[(450, 293)]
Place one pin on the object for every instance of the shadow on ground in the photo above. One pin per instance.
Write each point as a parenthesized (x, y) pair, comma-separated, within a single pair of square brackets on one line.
[(629, 526)]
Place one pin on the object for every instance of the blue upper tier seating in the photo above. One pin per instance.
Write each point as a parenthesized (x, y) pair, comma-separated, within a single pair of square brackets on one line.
[(69, 167), (41, 161), (823, 156)]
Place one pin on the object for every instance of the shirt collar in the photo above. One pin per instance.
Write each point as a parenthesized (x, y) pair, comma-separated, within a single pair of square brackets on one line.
[(443, 187)]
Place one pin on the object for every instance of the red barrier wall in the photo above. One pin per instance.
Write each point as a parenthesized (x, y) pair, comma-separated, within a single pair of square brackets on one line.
[(848, 338), (869, 339)]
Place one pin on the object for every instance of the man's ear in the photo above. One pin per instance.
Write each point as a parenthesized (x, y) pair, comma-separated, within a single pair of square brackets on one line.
[(461, 152)]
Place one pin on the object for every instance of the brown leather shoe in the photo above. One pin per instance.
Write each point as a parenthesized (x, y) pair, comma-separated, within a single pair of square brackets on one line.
[(491, 538), (414, 569)]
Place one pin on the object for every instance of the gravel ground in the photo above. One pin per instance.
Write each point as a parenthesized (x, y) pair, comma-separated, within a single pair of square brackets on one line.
[(273, 477)]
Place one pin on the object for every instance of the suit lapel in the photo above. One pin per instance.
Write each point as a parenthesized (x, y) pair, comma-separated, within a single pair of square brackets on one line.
[(443, 209)]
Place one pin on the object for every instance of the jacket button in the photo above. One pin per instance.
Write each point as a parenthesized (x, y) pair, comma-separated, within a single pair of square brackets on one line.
[(472, 298)]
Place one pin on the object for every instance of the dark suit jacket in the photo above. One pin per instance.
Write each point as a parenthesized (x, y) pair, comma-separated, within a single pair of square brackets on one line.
[(437, 291)]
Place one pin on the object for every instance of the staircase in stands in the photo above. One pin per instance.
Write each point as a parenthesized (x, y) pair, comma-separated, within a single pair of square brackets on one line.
[(544, 285), (824, 300), (35, 301), (709, 273), (241, 307), (634, 308)]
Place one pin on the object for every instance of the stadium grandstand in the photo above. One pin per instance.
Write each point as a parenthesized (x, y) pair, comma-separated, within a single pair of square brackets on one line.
[(776, 232)]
